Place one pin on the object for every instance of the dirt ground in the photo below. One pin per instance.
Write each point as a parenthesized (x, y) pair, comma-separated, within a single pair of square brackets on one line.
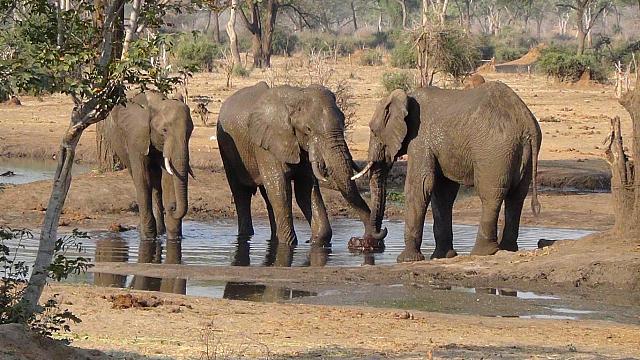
[(574, 120)]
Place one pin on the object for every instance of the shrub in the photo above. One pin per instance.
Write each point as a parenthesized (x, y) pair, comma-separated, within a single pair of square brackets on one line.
[(241, 71), (567, 66), (447, 50), (404, 56), (14, 275), (196, 52), (371, 57), (506, 53), (397, 80), (284, 42)]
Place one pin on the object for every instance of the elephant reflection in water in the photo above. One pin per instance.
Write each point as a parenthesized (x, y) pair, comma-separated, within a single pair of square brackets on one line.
[(150, 252), (278, 255), (261, 293), (117, 250), (111, 250)]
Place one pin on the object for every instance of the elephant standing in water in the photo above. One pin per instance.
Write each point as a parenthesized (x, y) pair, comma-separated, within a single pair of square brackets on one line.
[(151, 135), (269, 137), (485, 137)]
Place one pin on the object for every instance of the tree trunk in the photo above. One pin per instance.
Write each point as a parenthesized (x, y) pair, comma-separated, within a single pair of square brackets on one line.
[(353, 16), (231, 32), (215, 16), (403, 7), (625, 186), (133, 26)]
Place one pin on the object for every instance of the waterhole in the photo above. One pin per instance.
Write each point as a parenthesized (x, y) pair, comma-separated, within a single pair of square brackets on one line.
[(24, 170), (215, 244)]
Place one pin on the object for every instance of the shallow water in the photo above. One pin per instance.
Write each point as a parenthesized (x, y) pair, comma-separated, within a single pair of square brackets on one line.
[(30, 170), (216, 244)]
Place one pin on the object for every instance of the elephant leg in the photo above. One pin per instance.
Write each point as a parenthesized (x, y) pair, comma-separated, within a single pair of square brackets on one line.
[(418, 187), (156, 198), (444, 195), (241, 197), (278, 189), (142, 181), (272, 217), (310, 202), (487, 238), (513, 204), (173, 226)]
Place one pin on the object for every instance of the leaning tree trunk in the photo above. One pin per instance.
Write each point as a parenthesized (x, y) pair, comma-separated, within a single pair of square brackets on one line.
[(625, 186), (215, 16)]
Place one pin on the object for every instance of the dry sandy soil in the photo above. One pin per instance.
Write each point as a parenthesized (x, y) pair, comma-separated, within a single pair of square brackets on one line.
[(575, 121)]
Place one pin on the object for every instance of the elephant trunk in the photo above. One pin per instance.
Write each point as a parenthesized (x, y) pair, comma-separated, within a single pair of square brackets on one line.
[(378, 186), (339, 166), (178, 167)]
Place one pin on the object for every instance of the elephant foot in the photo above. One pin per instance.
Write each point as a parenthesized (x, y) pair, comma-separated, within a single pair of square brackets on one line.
[(442, 254), (319, 243), (410, 256), (366, 244), (485, 248), (510, 246)]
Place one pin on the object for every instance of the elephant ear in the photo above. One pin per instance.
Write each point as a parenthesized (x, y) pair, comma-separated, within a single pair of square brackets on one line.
[(388, 122), (134, 120), (270, 128)]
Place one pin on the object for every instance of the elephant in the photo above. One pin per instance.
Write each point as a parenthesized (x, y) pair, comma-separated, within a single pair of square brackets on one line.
[(269, 137), (484, 137), (150, 135)]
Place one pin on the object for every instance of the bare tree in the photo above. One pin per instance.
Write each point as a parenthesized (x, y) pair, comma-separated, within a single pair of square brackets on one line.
[(231, 32), (587, 12), (261, 29), (625, 180)]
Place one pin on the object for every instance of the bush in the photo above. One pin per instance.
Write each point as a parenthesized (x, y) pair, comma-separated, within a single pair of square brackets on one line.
[(567, 66), (397, 80), (404, 56), (506, 53), (371, 57), (196, 52), (447, 50), (241, 71), (14, 275), (284, 42)]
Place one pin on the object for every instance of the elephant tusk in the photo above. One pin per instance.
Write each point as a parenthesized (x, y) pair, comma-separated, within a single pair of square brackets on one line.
[(317, 172), (364, 171), (167, 166)]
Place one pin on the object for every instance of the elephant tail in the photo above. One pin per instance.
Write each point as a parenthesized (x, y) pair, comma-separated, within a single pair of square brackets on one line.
[(535, 204)]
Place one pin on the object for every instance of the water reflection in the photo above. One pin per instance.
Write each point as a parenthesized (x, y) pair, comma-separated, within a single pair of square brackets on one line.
[(261, 293)]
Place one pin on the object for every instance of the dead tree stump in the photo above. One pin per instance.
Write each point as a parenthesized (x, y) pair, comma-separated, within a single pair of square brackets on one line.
[(625, 186)]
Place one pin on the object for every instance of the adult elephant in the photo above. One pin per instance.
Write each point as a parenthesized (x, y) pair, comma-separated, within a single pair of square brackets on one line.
[(150, 134), (485, 137), (269, 137)]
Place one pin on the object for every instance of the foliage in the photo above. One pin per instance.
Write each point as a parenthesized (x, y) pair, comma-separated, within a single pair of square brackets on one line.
[(196, 51), (371, 57), (397, 80), (14, 273), (404, 56), (241, 71), (565, 65), (396, 197), (445, 49), (37, 63), (284, 42)]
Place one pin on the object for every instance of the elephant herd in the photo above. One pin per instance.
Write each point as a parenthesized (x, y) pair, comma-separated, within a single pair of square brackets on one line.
[(288, 141)]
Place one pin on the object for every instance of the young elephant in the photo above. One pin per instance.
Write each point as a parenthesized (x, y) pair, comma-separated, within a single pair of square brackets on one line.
[(485, 137), (269, 137), (151, 135)]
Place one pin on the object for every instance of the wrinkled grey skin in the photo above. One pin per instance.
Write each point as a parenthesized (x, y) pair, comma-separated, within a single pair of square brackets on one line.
[(485, 137), (269, 137), (145, 132)]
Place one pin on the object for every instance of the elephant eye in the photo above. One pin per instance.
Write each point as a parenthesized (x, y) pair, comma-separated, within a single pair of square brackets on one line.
[(164, 130)]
